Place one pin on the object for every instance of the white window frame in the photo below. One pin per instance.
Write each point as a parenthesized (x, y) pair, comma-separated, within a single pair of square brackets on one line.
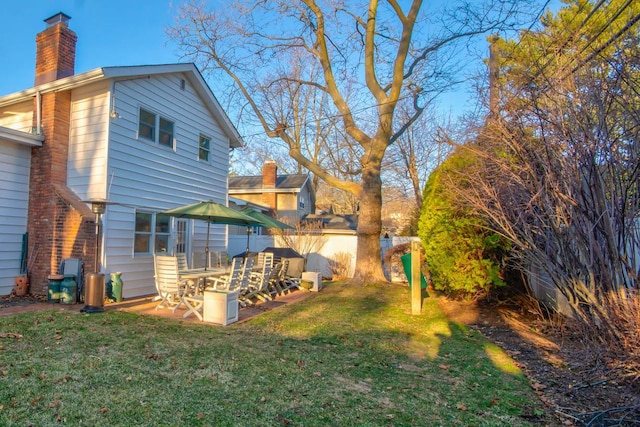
[(152, 234), (156, 130), (206, 150)]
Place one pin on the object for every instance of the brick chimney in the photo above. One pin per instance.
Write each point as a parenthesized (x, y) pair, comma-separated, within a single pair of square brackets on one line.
[(59, 225), (55, 50), (269, 177)]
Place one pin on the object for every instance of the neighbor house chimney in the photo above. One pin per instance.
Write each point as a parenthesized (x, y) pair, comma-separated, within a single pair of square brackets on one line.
[(269, 177), (55, 50)]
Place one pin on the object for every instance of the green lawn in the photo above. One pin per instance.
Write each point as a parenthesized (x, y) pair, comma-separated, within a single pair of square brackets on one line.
[(346, 356)]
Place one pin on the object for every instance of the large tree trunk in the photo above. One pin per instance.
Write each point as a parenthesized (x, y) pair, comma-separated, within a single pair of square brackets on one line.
[(368, 263)]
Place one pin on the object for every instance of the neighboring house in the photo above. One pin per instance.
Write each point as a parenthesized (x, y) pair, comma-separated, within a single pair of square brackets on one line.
[(288, 196), (239, 204), (147, 138), (332, 223)]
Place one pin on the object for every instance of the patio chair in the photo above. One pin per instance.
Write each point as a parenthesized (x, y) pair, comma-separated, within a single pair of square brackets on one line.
[(194, 301), (258, 285), (182, 261), (240, 283), (224, 259), (168, 284), (222, 282), (290, 282), (218, 259), (274, 286), (264, 258)]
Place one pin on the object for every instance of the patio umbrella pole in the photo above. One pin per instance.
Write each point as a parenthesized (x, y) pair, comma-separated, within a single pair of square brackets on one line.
[(246, 254), (206, 249)]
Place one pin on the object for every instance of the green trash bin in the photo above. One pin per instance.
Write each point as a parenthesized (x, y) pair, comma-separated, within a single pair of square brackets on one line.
[(406, 265)]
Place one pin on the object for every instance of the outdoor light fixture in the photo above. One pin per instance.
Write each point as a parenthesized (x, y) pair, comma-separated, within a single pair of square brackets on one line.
[(94, 290), (113, 113)]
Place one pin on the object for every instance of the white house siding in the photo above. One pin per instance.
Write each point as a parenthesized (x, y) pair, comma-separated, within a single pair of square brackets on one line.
[(14, 193), (18, 116), (145, 176), (88, 135)]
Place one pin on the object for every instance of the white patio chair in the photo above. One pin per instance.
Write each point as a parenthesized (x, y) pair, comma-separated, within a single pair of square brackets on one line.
[(274, 287), (168, 284), (224, 259), (222, 282), (264, 258), (242, 283), (289, 282), (194, 301), (182, 261), (258, 285)]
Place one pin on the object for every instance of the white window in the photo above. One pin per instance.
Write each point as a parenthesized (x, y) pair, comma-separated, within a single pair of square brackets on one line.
[(205, 148), (155, 128), (152, 233)]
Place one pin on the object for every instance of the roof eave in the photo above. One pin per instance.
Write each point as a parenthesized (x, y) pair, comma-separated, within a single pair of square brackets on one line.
[(263, 190), (54, 86), (194, 75), (22, 138)]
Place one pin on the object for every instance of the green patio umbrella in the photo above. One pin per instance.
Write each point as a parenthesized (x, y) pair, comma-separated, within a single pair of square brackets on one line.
[(212, 212), (266, 221)]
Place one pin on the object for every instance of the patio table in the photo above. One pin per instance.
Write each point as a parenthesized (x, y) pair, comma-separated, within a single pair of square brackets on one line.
[(200, 275)]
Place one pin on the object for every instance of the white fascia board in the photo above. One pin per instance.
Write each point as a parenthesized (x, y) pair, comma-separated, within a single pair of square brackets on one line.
[(22, 138)]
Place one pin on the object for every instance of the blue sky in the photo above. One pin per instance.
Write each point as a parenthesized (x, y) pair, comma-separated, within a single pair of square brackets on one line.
[(110, 32)]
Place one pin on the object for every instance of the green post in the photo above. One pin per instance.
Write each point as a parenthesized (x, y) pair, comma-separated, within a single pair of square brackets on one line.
[(416, 289)]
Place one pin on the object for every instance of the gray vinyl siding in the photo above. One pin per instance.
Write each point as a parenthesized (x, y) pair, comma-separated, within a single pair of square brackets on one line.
[(14, 201)]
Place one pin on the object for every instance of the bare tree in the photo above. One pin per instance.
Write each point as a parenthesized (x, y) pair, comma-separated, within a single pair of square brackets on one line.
[(415, 154), (369, 61)]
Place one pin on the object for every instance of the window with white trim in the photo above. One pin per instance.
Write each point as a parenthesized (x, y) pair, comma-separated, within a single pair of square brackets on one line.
[(204, 148), (155, 128)]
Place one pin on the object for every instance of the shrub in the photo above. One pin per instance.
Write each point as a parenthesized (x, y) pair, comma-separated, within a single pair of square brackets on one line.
[(463, 255), (340, 264)]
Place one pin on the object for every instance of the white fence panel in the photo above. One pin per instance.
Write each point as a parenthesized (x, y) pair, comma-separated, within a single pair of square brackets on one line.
[(331, 248)]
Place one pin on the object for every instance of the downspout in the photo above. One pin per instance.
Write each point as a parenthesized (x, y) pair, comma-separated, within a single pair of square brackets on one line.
[(38, 113)]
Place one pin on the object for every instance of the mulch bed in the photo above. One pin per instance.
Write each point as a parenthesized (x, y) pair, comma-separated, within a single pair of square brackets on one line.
[(13, 300), (579, 384)]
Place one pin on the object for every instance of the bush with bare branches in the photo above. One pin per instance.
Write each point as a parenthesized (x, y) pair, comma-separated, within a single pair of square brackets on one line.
[(340, 264), (561, 165)]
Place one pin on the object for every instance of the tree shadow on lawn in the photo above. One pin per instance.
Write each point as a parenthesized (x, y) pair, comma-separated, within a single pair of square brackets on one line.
[(372, 332)]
